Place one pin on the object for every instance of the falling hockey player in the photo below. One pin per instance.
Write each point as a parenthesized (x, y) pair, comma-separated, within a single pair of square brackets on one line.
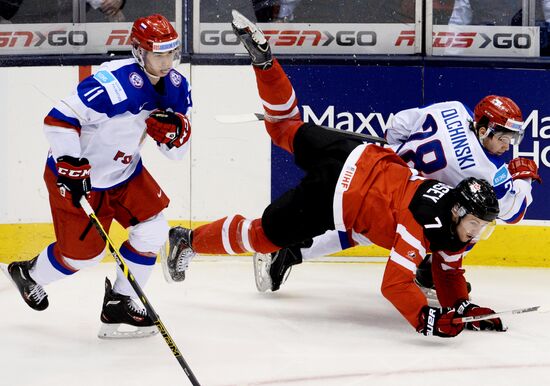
[(95, 138), (362, 191), (441, 141)]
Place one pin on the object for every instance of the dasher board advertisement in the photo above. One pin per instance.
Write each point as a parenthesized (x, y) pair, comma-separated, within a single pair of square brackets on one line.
[(305, 38), (483, 40)]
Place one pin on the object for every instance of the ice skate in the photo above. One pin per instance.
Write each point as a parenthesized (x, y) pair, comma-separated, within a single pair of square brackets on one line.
[(179, 255), (121, 317), (272, 270), (253, 40), (33, 293)]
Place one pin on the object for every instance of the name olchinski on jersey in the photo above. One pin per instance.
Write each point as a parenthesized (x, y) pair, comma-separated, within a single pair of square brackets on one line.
[(437, 140)]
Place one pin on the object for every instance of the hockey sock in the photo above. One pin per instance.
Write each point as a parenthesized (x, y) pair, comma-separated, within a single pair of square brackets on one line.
[(50, 266), (140, 264), (282, 118), (232, 235)]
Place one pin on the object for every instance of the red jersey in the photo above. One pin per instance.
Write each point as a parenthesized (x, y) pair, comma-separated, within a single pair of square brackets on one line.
[(374, 198)]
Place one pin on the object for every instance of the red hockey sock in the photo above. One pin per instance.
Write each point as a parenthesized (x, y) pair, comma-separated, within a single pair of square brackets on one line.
[(282, 115), (231, 236)]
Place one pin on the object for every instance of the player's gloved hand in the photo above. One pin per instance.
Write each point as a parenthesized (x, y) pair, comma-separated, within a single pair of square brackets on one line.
[(465, 308), (173, 129), (73, 175), (438, 322), (524, 168)]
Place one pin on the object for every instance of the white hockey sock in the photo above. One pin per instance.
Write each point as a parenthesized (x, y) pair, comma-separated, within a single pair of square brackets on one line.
[(141, 267), (49, 269)]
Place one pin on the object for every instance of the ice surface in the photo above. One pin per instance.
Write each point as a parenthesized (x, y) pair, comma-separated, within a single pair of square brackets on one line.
[(328, 325)]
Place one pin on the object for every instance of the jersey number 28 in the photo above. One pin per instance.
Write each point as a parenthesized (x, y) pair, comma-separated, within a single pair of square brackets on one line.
[(429, 156)]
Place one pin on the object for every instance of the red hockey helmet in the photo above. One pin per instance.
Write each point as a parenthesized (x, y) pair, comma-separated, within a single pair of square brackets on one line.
[(154, 33), (502, 115)]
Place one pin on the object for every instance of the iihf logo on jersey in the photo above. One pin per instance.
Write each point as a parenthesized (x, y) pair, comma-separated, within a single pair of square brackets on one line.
[(346, 176), (175, 78), (136, 80), (411, 255)]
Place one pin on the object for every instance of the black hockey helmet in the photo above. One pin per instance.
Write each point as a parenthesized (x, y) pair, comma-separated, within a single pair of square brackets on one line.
[(478, 198)]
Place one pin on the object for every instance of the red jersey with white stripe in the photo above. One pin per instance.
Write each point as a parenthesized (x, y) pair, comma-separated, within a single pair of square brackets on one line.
[(380, 198)]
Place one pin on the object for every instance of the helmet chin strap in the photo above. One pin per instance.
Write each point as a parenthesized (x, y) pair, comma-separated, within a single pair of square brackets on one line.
[(151, 76), (483, 136), (139, 55), (459, 213)]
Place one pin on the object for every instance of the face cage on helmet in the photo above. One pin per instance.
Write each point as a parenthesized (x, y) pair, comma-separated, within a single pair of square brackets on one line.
[(513, 128), (140, 57), (485, 231)]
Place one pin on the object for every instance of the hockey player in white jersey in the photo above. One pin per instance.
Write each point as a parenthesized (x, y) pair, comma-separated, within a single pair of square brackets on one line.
[(95, 138), (443, 141)]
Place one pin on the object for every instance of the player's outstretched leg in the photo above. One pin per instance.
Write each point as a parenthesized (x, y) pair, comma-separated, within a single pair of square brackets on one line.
[(271, 270), (33, 294), (253, 40), (282, 116), (231, 235), (119, 312), (180, 253)]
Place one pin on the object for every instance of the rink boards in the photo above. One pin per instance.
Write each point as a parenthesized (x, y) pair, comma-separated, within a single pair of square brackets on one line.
[(510, 246), (234, 169)]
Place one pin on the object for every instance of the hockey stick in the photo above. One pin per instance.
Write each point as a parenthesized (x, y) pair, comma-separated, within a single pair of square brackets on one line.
[(152, 313), (253, 117), (493, 315)]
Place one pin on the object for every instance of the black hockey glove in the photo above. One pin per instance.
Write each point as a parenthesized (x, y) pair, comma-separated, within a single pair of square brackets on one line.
[(465, 308), (438, 322), (73, 176)]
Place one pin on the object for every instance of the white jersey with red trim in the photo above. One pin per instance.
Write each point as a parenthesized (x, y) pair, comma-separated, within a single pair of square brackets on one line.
[(104, 120), (437, 141)]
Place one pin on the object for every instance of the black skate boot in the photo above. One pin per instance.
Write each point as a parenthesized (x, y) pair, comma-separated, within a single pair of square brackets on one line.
[(271, 270), (424, 279), (253, 40), (179, 255), (33, 293), (121, 317)]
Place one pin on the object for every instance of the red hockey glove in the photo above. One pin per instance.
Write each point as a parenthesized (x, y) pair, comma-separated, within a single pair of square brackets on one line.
[(524, 168), (438, 322), (465, 308), (73, 175), (173, 129)]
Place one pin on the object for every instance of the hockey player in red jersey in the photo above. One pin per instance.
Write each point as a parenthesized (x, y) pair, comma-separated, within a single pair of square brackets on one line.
[(363, 191), (447, 142), (95, 137)]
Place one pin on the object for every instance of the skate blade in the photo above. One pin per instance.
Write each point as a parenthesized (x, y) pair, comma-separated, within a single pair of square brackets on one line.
[(239, 20), (242, 23), (125, 331), (431, 295), (4, 268), (164, 263), (164, 253), (262, 264)]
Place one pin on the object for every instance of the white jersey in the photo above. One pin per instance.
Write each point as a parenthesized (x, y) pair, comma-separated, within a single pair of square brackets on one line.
[(104, 120), (437, 141)]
